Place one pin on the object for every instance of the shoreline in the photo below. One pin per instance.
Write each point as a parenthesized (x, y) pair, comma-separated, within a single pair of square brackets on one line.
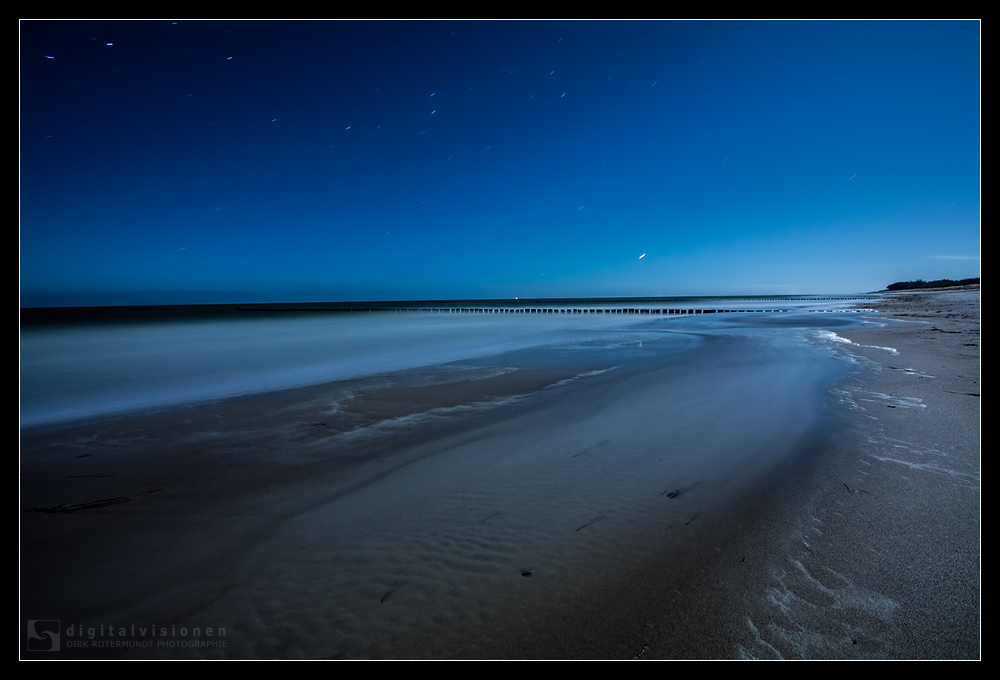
[(876, 553), (512, 527)]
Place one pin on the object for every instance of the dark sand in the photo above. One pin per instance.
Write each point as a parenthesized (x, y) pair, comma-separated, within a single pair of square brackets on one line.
[(554, 511), (875, 554)]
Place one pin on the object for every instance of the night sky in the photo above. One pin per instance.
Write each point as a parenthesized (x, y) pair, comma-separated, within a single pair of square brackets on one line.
[(240, 161)]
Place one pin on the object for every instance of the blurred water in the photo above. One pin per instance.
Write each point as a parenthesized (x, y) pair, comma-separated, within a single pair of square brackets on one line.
[(73, 372), (69, 373)]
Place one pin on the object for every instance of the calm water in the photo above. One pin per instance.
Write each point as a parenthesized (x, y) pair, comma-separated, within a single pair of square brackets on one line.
[(88, 370)]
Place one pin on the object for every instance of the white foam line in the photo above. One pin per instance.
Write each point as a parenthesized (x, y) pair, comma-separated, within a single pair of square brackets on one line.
[(910, 371), (831, 336), (442, 411), (439, 412), (588, 374), (927, 467), (902, 402), (899, 443)]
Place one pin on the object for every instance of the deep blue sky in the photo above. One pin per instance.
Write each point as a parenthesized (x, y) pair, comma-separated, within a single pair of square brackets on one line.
[(230, 161)]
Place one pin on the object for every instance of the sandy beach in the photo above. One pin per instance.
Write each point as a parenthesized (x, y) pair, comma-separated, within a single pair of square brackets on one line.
[(709, 492), (873, 552)]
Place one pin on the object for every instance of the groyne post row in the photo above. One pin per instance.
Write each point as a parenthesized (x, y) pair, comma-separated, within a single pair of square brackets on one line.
[(556, 310), (548, 310), (650, 306)]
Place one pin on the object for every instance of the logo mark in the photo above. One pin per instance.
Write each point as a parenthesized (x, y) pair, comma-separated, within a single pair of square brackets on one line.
[(43, 635)]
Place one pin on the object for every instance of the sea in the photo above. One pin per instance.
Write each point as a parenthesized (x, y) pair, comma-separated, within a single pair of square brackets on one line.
[(91, 363)]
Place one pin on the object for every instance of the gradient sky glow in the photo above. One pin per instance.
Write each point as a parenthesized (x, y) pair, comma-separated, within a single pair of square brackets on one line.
[(241, 161)]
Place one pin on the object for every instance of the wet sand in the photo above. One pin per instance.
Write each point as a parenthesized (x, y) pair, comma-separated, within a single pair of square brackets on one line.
[(722, 498), (875, 554)]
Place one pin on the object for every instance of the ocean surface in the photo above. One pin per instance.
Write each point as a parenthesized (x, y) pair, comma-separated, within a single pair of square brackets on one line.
[(79, 370)]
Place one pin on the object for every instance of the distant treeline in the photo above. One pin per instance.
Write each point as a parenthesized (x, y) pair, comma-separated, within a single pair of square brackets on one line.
[(919, 283)]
